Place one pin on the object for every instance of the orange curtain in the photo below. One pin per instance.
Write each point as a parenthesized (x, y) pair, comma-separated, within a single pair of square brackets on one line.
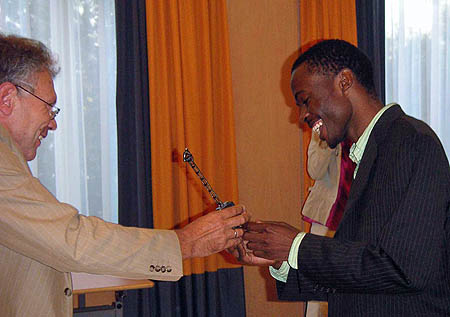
[(190, 106), (320, 20)]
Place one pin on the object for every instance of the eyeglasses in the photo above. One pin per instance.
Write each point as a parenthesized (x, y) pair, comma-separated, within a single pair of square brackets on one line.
[(53, 109)]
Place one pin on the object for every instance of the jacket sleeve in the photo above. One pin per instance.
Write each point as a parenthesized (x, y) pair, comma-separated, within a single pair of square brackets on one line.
[(298, 289), (34, 224)]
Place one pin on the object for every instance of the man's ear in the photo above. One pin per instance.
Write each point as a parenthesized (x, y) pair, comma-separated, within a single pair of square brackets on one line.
[(345, 80), (7, 93)]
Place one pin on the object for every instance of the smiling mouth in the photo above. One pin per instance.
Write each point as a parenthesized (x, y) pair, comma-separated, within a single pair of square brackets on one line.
[(316, 127)]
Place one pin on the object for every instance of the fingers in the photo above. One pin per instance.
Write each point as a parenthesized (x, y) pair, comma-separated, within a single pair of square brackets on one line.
[(256, 245), (261, 254), (232, 211), (232, 243), (256, 226), (252, 236), (267, 226), (235, 216), (235, 234), (234, 251), (234, 238), (241, 252), (238, 232)]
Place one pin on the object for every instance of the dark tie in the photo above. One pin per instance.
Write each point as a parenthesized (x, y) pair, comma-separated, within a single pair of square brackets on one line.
[(345, 181)]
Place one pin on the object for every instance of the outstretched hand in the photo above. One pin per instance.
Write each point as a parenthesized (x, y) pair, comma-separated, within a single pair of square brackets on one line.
[(212, 233), (270, 240), (246, 256)]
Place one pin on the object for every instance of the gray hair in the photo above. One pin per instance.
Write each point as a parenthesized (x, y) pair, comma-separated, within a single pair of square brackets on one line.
[(21, 58)]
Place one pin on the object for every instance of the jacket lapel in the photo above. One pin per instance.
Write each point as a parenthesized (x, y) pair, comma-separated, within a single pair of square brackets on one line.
[(377, 136), (362, 177)]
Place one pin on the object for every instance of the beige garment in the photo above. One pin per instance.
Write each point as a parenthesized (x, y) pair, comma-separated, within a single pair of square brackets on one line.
[(43, 240), (324, 166)]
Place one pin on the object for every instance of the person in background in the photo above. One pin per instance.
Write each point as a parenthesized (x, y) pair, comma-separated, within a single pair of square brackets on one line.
[(332, 170), (390, 255), (43, 240)]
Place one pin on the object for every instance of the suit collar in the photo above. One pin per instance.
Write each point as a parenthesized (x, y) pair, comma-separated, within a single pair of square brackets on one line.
[(378, 135), (381, 129), (6, 139)]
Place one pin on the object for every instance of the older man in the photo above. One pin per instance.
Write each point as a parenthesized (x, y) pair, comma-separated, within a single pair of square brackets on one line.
[(43, 240)]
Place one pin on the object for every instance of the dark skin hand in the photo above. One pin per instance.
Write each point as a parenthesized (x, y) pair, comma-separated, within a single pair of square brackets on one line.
[(246, 256), (269, 240)]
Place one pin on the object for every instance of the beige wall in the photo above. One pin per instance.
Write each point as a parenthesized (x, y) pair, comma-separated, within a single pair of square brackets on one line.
[(264, 39)]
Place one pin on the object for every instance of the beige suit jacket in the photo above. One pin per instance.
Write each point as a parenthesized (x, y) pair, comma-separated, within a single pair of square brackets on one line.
[(324, 166), (42, 240)]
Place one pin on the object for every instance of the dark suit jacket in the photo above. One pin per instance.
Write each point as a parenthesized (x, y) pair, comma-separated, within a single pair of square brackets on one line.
[(390, 254)]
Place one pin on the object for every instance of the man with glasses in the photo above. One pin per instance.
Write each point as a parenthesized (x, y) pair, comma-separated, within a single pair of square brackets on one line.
[(54, 110), (43, 240)]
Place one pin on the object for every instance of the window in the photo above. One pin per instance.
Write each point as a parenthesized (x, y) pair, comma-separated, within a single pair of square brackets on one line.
[(418, 61), (78, 161)]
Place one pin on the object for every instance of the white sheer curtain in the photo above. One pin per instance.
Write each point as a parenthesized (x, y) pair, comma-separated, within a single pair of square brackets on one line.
[(418, 61), (78, 161)]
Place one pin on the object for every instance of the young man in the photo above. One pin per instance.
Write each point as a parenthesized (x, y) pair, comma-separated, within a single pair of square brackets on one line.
[(43, 240), (390, 254)]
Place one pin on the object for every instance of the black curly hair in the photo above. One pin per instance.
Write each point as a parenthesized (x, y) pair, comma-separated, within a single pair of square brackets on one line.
[(331, 56)]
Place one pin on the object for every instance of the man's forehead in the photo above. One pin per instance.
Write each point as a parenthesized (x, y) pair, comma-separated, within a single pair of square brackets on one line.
[(300, 76), (45, 85), (306, 74), (300, 68)]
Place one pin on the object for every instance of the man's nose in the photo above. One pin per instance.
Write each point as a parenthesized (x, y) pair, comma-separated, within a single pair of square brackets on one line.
[(52, 125)]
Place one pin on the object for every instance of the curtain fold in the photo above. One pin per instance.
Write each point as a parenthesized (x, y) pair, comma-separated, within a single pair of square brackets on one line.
[(191, 106), (371, 39), (320, 20), (133, 132), (133, 116)]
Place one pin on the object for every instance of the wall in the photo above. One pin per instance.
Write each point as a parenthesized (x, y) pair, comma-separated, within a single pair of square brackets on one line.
[(264, 40)]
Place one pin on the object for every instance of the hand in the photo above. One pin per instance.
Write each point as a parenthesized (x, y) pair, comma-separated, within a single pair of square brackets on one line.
[(270, 240), (246, 256), (213, 232)]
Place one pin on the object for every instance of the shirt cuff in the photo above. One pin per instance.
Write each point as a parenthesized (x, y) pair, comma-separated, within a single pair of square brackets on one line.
[(293, 253), (281, 274)]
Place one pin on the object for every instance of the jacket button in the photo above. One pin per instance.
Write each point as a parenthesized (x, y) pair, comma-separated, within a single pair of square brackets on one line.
[(169, 269), (157, 268), (68, 292), (163, 269), (151, 268)]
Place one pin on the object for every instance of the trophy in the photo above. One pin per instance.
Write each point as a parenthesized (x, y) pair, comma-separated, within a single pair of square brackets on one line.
[(189, 158)]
